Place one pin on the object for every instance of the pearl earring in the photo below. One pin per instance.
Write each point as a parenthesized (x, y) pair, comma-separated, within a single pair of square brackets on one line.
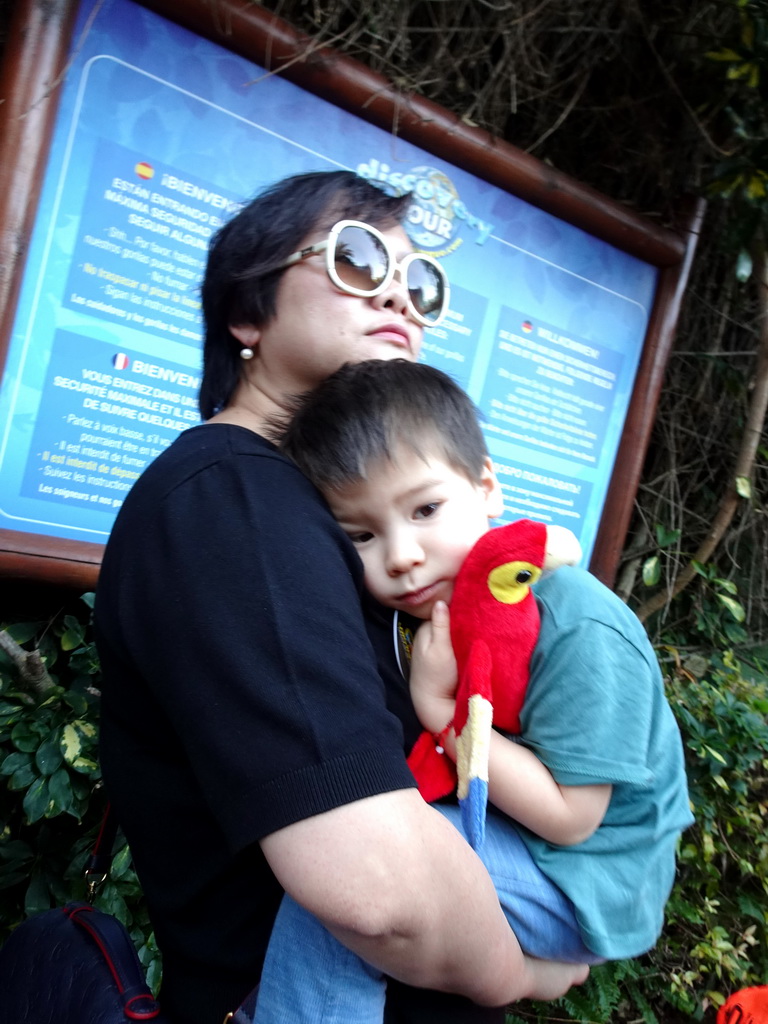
[(246, 353)]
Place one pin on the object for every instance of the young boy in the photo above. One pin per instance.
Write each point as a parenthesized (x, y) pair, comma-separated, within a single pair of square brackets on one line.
[(592, 794)]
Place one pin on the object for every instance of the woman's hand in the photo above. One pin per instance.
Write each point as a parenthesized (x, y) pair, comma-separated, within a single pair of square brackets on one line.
[(433, 671)]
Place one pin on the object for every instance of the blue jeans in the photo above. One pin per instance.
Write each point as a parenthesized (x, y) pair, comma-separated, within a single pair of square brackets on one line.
[(311, 978)]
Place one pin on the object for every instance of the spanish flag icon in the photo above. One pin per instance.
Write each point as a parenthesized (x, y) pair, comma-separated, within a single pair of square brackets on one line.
[(144, 170)]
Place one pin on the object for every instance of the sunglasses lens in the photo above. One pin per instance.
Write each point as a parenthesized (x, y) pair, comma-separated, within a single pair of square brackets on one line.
[(360, 259), (361, 264), (426, 289)]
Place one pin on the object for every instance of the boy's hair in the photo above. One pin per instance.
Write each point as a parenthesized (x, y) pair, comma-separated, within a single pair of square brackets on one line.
[(365, 411), (240, 283)]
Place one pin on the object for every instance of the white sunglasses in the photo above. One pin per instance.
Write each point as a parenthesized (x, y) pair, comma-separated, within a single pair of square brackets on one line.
[(359, 261)]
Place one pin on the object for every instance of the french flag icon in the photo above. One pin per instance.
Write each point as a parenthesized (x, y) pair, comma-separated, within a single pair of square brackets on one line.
[(121, 361)]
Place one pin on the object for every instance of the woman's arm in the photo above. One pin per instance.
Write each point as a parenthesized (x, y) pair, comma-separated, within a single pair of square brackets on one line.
[(519, 784), (392, 879)]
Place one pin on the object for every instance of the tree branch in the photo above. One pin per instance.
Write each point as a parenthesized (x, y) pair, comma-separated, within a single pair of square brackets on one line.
[(30, 665), (745, 459)]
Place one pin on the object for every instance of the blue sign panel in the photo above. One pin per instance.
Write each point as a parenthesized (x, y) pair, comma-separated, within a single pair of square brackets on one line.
[(161, 134)]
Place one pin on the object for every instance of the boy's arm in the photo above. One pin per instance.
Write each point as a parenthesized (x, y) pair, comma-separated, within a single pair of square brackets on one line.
[(519, 784)]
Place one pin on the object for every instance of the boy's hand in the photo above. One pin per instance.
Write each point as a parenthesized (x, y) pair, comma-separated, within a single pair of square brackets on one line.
[(433, 671)]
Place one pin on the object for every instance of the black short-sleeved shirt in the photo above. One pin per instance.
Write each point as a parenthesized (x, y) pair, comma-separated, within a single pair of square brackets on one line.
[(241, 694)]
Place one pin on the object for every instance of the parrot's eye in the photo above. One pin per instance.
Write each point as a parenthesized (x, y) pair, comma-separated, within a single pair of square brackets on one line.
[(511, 582)]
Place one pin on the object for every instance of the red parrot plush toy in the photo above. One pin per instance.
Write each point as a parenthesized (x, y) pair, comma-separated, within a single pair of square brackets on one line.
[(494, 629)]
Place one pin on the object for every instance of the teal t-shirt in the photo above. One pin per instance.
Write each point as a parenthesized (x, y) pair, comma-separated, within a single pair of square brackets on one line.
[(595, 712)]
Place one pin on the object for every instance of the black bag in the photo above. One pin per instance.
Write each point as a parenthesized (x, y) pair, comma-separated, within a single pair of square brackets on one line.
[(73, 965)]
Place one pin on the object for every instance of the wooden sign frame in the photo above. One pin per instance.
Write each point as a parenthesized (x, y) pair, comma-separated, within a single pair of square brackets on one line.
[(39, 41)]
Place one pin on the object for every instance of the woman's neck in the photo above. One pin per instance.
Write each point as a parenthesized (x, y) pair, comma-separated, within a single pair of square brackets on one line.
[(253, 407)]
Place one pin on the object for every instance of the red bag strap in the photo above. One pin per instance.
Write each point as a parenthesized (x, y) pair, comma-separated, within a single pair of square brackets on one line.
[(98, 864)]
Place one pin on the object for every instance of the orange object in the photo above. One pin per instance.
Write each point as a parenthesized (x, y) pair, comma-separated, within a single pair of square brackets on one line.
[(747, 1006)]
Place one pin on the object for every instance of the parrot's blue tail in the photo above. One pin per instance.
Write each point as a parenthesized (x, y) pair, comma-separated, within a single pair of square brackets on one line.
[(473, 808)]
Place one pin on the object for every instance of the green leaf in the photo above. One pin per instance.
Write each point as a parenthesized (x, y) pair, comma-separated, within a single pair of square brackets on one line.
[(38, 895), (121, 864), (154, 974), (735, 633), (743, 266), (665, 537), (77, 701), (81, 788), (10, 878), (70, 640), (727, 585), (15, 851), (60, 790), (72, 743), (73, 635), (743, 486), (85, 765), (14, 762), (22, 632), (24, 738), (724, 55), (15, 863), (750, 906), (756, 186), (651, 571), (74, 737), (736, 610), (111, 902), (22, 779), (714, 753), (9, 711), (49, 756), (747, 71), (36, 800)]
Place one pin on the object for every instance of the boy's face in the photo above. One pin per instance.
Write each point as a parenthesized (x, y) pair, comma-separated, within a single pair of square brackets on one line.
[(413, 522)]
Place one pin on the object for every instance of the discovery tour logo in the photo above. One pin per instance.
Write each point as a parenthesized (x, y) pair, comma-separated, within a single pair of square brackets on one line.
[(437, 219)]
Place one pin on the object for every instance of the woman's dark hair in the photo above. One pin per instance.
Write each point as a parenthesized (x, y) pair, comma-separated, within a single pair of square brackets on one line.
[(366, 411), (240, 283)]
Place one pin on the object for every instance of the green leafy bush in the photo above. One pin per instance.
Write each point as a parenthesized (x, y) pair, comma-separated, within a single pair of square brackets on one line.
[(716, 941), (51, 803)]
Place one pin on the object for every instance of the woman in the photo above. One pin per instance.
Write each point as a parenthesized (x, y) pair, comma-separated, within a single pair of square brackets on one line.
[(249, 743)]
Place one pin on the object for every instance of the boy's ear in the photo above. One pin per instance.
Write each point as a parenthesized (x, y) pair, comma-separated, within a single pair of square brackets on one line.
[(489, 482), (247, 334)]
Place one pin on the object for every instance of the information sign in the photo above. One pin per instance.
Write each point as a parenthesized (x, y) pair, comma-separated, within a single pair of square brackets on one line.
[(160, 135)]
